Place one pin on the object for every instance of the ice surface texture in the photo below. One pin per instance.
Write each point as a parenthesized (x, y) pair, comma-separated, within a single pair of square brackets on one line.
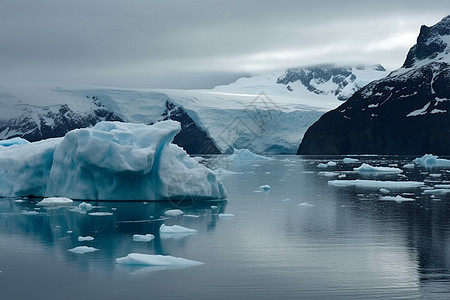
[(111, 161)]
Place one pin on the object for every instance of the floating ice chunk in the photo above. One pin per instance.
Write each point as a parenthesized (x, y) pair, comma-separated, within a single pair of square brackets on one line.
[(431, 161), (376, 184), (191, 216), (226, 216), (265, 187), (175, 229), (435, 175), (14, 141), (100, 214), (328, 174), (437, 191), (442, 186), (82, 249), (214, 206), (29, 212), (331, 164), (85, 206), (173, 212), (306, 204), (143, 238), (85, 238), (348, 160), (397, 198), (368, 168), (55, 201), (408, 166), (322, 166), (384, 191), (245, 154), (155, 260)]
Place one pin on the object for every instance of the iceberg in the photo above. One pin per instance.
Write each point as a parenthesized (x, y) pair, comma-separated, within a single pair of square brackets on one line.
[(82, 249), (143, 237), (55, 201), (348, 160), (432, 161), (110, 161), (378, 184), (371, 169), (175, 229), (140, 259), (397, 198)]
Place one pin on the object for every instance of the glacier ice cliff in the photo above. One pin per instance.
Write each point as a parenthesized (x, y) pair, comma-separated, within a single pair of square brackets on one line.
[(110, 161)]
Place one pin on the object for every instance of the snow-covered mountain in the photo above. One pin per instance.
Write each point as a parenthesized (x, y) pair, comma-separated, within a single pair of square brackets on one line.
[(268, 113), (406, 112)]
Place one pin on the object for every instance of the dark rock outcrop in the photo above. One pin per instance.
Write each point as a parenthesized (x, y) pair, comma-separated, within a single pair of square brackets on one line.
[(408, 112)]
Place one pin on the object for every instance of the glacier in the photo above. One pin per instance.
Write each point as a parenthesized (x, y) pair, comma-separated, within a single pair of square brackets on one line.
[(110, 161)]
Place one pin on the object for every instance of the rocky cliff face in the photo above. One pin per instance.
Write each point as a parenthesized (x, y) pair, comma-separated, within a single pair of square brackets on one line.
[(405, 113)]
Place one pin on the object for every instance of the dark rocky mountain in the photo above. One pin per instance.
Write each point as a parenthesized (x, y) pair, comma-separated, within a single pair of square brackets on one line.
[(405, 113), (192, 138), (42, 122)]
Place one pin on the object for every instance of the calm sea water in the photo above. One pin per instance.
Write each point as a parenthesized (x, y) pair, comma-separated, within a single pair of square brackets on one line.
[(302, 239)]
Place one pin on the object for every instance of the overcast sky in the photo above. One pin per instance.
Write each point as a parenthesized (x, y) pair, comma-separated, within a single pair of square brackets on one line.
[(199, 43)]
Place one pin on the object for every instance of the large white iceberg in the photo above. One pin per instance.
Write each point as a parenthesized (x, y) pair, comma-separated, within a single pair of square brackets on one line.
[(431, 161), (111, 161)]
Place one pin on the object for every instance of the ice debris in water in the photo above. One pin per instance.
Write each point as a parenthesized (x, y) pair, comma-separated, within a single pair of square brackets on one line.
[(368, 168), (264, 187), (408, 166), (245, 154), (431, 161), (100, 214), (55, 201), (82, 249), (155, 260), (384, 191), (173, 212), (226, 216), (397, 198), (306, 204), (348, 160), (175, 229), (110, 161), (143, 237), (322, 166), (376, 184), (85, 238), (331, 164)]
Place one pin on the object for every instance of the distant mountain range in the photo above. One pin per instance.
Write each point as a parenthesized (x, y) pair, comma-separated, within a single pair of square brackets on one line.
[(406, 112), (267, 113)]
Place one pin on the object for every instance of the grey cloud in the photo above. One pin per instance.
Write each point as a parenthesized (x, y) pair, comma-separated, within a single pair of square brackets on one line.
[(174, 43)]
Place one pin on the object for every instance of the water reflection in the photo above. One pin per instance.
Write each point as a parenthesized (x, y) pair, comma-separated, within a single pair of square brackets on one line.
[(111, 224)]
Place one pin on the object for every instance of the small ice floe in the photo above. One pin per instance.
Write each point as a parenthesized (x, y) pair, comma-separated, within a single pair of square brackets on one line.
[(376, 184), (55, 201), (331, 164), (140, 259), (368, 168), (348, 160), (408, 166), (397, 198), (82, 249), (437, 191), (143, 237), (322, 166), (173, 212), (82, 208), (264, 188), (384, 191), (306, 204), (435, 175), (214, 206), (100, 214), (85, 238), (29, 212), (328, 174), (191, 216), (268, 172), (226, 216), (431, 161), (176, 229), (442, 186)]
